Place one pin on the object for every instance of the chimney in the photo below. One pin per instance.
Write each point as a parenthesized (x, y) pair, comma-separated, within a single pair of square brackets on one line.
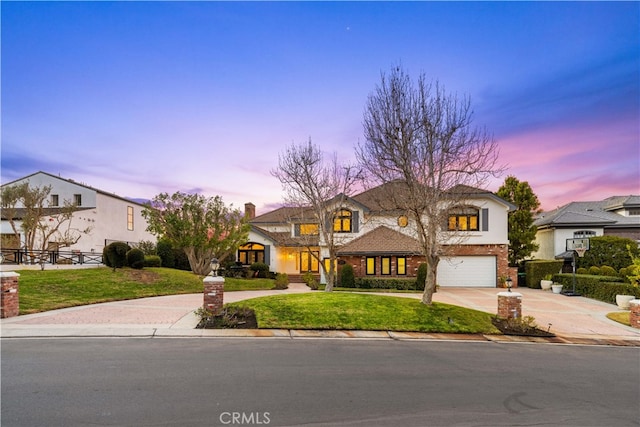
[(249, 210)]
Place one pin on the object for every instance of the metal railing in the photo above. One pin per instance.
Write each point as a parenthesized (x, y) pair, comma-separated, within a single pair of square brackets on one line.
[(21, 256)]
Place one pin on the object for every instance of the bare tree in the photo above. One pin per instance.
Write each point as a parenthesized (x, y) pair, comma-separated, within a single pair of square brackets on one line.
[(319, 186), (41, 224), (420, 141)]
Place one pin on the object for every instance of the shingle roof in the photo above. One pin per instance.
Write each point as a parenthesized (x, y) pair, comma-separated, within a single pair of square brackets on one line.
[(283, 215), (577, 214), (382, 240), (285, 238)]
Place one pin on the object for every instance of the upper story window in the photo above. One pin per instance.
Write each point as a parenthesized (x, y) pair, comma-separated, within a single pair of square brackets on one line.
[(130, 218), (309, 229), (634, 212), (583, 234), (55, 200), (463, 219), (342, 221), (77, 199)]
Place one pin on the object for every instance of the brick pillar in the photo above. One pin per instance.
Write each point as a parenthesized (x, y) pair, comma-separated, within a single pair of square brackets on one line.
[(634, 316), (213, 293), (509, 305), (9, 294)]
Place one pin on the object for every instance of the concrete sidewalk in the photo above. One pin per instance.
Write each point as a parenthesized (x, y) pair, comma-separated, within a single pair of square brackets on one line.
[(573, 319)]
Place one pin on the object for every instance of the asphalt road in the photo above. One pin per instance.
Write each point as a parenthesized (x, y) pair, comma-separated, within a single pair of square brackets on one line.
[(279, 382)]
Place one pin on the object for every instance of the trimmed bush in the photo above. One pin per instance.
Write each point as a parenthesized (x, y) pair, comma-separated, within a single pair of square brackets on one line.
[(582, 270), (385, 283), (609, 250), (282, 281), (594, 270), (115, 254), (135, 258), (261, 269), (602, 288), (538, 269), (347, 276), (310, 280), (605, 270), (166, 253), (152, 261), (421, 277)]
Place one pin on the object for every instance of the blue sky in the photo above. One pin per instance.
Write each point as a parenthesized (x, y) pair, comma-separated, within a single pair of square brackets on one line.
[(139, 98)]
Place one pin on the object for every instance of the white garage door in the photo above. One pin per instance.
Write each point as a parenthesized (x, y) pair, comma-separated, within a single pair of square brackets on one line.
[(469, 271)]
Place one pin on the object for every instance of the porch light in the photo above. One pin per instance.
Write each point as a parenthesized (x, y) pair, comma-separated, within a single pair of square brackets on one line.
[(509, 283), (215, 265)]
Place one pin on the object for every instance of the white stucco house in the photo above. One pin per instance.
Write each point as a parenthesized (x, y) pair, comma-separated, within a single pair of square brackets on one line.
[(613, 216), (109, 217), (381, 242)]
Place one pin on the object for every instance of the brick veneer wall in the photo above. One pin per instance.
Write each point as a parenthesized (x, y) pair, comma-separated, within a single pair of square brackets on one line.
[(9, 294), (359, 262), (634, 315), (213, 293), (509, 305)]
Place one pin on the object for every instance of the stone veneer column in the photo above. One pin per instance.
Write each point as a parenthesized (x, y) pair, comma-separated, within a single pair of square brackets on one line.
[(213, 293), (509, 305), (634, 315), (9, 294)]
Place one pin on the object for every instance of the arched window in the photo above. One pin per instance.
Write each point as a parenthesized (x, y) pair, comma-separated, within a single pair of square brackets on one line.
[(463, 218), (250, 253), (342, 221)]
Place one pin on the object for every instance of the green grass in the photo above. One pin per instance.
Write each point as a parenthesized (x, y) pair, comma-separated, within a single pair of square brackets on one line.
[(320, 310), (620, 317), (54, 289)]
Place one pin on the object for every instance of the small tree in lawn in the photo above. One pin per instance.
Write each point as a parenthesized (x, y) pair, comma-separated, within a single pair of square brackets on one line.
[(318, 185), (522, 232), (41, 224), (420, 142), (203, 227)]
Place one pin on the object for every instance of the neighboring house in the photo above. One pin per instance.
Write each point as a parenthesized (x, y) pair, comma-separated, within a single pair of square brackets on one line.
[(614, 216), (110, 217), (381, 242)]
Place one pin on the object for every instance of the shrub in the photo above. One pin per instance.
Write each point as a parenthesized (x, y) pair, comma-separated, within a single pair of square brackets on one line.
[(421, 276), (537, 270), (605, 270), (152, 261), (594, 271), (385, 283), (602, 288), (614, 251), (147, 247), (310, 280), (165, 252), (115, 254), (347, 276), (282, 281), (135, 258), (181, 260), (582, 270), (261, 269)]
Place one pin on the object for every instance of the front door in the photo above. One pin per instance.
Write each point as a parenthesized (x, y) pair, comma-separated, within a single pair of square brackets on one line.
[(309, 262)]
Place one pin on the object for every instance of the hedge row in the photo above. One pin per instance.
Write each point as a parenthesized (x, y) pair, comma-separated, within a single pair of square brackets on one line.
[(383, 283), (536, 270), (601, 288)]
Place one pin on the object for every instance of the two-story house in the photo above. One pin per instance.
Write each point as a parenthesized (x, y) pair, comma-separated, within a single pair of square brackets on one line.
[(108, 216), (380, 241)]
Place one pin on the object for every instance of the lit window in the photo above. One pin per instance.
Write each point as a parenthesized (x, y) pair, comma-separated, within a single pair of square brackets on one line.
[(463, 219), (403, 221), (130, 218), (371, 266), (308, 229), (251, 253), (342, 221), (402, 265), (385, 266)]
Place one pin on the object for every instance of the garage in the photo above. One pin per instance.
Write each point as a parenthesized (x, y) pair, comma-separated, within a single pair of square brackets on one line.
[(467, 271)]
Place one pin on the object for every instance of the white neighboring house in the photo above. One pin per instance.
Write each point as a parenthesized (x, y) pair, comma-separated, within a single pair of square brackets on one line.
[(379, 242), (614, 216), (110, 217)]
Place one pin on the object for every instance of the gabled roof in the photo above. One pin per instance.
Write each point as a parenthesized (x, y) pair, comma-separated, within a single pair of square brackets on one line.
[(382, 240), (71, 181), (591, 214), (285, 238), (285, 214)]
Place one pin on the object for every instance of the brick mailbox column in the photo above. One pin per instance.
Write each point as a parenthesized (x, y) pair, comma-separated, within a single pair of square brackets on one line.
[(509, 305), (9, 296), (213, 293), (634, 316)]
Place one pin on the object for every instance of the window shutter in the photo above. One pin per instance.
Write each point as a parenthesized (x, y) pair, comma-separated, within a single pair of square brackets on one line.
[(267, 252), (296, 229), (485, 219), (355, 222)]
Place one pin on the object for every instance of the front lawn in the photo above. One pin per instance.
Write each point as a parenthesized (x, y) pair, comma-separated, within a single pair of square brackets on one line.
[(54, 289), (320, 310)]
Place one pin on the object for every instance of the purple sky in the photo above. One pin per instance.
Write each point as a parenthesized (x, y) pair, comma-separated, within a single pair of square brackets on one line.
[(148, 97)]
